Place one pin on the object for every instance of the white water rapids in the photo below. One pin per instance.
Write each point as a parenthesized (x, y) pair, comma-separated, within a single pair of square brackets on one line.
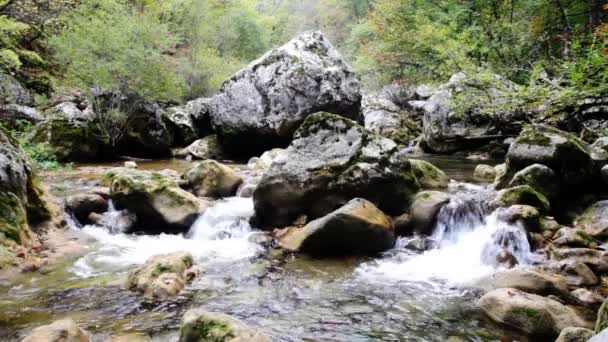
[(467, 241)]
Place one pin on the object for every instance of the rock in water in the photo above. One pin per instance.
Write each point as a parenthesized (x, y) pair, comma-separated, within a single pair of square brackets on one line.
[(572, 334), (331, 161), (212, 179), (356, 228), (204, 326), (529, 313), (424, 210), (65, 330), (428, 175), (485, 172), (157, 200), (163, 276), (261, 106), (206, 148)]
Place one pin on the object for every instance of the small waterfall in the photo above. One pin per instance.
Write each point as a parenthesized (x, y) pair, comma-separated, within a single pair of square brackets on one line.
[(220, 234), (470, 241)]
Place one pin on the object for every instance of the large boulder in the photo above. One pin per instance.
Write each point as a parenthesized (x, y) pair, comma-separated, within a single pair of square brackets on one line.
[(530, 313), (485, 173), (155, 198), (261, 106), (332, 160), (449, 127), (190, 121), (566, 155), (356, 228), (428, 175), (382, 116), (212, 179), (203, 326), (594, 220), (148, 134), (83, 204), (163, 276), (65, 330)]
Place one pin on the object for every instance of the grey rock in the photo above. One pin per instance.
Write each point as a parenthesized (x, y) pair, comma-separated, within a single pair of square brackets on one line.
[(382, 116), (261, 106), (205, 148), (579, 274), (10, 113), (485, 172), (594, 220), (82, 205), (330, 161), (65, 330), (200, 325), (587, 298), (530, 281), (424, 210), (212, 179), (12, 92)]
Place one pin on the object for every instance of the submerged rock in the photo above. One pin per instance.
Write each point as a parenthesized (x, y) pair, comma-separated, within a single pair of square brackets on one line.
[(163, 276), (331, 161), (205, 326), (156, 199), (212, 179), (65, 330), (356, 228), (261, 106), (530, 313)]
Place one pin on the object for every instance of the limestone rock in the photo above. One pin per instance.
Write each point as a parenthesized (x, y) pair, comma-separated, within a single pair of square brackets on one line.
[(572, 334), (212, 179), (204, 326), (65, 330)]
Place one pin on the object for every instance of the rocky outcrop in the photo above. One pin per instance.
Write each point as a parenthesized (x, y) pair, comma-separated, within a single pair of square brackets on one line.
[(24, 204), (189, 122), (163, 276), (12, 92), (331, 161), (356, 228), (155, 198), (212, 179), (206, 148), (65, 330), (448, 127), (204, 326), (594, 220), (261, 106), (529, 313)]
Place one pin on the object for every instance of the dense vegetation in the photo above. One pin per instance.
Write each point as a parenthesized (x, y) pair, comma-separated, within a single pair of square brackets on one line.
[(182, 49)]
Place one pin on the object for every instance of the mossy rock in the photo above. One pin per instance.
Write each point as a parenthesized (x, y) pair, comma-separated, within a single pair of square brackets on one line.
[(13, 218), (204, 326), (523, 194), (594, 220), (428, 175), (70, 141), (540, 178)]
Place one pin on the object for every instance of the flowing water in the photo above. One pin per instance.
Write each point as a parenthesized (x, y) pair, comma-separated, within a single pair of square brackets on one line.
[(402, 295)]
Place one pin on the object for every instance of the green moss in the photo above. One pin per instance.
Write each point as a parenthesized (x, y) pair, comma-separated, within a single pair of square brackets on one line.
[(428, 175), (13, 219), (208, 331), (531, 136), (523, 194), (583, 235)]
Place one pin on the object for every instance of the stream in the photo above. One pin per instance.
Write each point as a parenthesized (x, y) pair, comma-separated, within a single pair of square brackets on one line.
[(401, 295)]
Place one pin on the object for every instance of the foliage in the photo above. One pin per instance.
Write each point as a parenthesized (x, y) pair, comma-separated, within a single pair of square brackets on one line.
[(41, 154), (108, 44)]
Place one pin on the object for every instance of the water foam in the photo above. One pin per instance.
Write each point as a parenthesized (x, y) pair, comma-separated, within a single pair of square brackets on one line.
[(220, 234), (467, 243)]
